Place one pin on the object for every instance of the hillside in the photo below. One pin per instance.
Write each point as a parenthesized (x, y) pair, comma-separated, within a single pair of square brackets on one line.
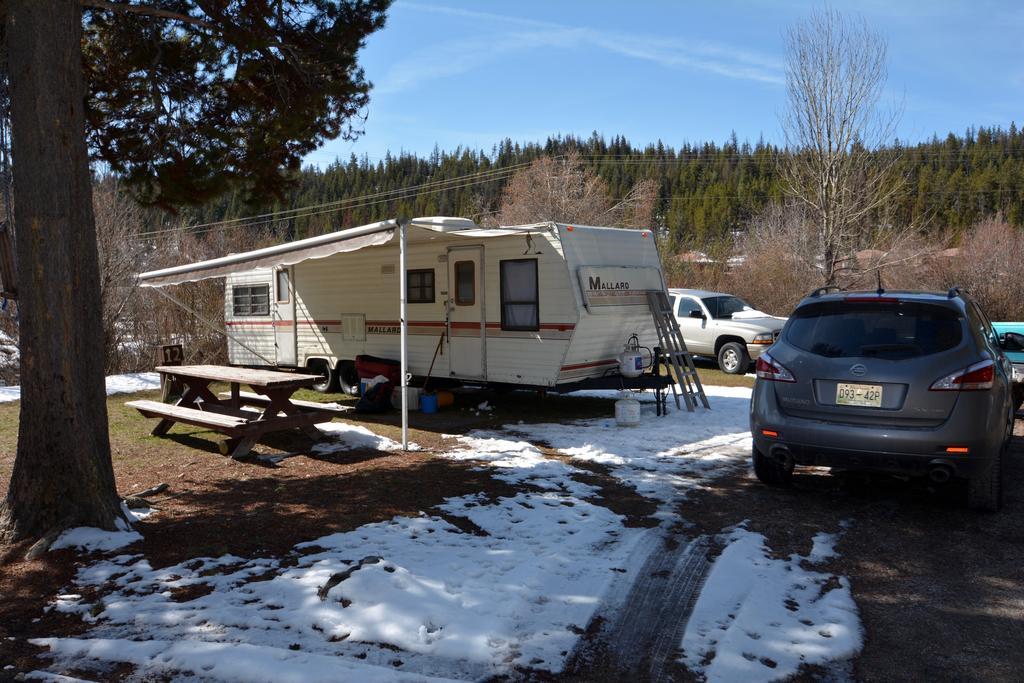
[(705, 190)]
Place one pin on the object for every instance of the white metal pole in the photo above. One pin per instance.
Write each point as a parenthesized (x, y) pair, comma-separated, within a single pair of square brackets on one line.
[(402, 226)]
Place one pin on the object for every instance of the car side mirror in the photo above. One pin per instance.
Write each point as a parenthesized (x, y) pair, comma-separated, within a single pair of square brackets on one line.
[(1011, 341), (697, 314)]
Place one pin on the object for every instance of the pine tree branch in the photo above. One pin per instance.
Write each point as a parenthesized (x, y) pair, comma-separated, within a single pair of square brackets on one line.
[(146, 10)]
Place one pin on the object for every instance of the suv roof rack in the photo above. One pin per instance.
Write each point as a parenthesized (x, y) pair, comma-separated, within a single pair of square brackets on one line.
[(955, 291), (824, 290)]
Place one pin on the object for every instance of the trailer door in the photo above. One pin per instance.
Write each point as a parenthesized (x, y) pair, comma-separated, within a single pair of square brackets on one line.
[(284, 317), (467, 330)]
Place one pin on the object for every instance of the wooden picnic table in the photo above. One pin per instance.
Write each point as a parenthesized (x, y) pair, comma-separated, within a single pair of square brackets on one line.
[(243, 416)]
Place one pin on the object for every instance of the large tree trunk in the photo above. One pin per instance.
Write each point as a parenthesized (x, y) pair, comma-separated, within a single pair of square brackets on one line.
[(63, 474)]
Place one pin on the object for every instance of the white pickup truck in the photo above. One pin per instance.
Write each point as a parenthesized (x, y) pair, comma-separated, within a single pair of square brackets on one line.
[(723, 327)]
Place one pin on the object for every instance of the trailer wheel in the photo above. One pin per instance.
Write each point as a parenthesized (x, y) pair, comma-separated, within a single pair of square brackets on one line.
[(348, 378), (328, 382)]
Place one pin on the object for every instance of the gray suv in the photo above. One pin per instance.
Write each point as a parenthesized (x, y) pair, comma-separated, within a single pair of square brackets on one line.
[(908, 383)]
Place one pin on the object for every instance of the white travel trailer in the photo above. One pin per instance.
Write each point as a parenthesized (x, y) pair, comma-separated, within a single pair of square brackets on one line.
[(547, 305)]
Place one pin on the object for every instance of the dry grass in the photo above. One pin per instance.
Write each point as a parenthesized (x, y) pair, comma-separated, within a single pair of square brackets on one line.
[(140, 459)]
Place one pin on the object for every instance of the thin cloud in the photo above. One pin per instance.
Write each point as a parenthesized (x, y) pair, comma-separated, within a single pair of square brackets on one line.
[(460, 56), (473, 14)]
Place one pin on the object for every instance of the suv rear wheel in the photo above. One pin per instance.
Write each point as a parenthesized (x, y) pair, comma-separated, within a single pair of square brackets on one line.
[(733, 358), (985, 493), (771, 472)]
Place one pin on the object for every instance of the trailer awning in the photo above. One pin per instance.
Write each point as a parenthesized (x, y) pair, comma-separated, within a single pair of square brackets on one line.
[(278, 255), (353, 239)]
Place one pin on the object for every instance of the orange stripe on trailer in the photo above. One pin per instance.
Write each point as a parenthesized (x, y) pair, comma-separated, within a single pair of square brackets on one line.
[(593, 364)]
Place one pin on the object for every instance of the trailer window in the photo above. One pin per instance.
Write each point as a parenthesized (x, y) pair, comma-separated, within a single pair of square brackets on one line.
[(465, 283), (250, 300), (419, 286), (282, 286), (520, 305)]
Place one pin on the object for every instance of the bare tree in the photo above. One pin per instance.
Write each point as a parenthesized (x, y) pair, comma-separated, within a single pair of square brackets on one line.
[(838, 165), (119, 221), (639, 205), (780, 246), (562, 189), (555, 189), (192, 314), (988, 263)]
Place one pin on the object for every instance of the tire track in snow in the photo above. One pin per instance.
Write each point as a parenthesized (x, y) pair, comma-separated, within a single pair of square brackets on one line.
[(638, 637)]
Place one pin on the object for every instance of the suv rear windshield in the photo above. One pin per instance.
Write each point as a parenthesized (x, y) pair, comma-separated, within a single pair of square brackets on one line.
[(895, 331)]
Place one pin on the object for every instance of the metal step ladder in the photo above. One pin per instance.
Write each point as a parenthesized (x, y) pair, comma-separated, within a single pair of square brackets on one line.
[(678, 359)]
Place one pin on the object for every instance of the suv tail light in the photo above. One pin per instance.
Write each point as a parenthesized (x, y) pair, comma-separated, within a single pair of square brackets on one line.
[(770, 369), (977, 377)]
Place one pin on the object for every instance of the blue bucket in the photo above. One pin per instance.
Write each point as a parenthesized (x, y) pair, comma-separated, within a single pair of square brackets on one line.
[(428, 403)]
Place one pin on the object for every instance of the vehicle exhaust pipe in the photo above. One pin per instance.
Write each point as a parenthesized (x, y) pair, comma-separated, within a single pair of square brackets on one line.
[(940, 474), (782, 456)]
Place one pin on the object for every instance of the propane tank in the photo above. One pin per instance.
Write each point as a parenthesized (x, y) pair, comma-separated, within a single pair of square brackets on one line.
[(631, 361), (627, 410)]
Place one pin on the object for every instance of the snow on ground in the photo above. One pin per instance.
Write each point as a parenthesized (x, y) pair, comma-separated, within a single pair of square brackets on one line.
[(518, 462), (116, 384), (470, 589), (51, 678), (226, 661), (459, 604), (824, 548), (759, 618), (347, 437), (663, 456), (89, 539)]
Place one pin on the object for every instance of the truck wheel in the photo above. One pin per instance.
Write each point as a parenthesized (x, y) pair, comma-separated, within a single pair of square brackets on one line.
[(328, 382), (1018, 396), (770, 472), (348, 378), (985, 493), (733, 358)]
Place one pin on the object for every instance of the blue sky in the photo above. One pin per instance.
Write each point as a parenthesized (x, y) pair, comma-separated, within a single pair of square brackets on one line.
[(471, 73)]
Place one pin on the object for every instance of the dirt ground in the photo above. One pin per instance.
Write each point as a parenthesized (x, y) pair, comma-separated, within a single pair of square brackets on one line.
[(940, 590)]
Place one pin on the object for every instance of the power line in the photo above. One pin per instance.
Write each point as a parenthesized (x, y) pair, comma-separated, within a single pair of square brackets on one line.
[(396, 194), (503, 173)]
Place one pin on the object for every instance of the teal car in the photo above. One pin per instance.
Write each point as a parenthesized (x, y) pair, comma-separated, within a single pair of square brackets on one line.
[(1011, 336)]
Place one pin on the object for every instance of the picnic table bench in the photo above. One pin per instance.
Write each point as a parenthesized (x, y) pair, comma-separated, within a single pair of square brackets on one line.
[(243, 416)]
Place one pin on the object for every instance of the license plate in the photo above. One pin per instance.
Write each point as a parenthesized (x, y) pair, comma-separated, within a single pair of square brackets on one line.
[(867, 395)]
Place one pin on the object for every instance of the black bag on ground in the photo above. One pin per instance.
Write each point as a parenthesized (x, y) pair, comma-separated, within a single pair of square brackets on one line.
[(377, 399)]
